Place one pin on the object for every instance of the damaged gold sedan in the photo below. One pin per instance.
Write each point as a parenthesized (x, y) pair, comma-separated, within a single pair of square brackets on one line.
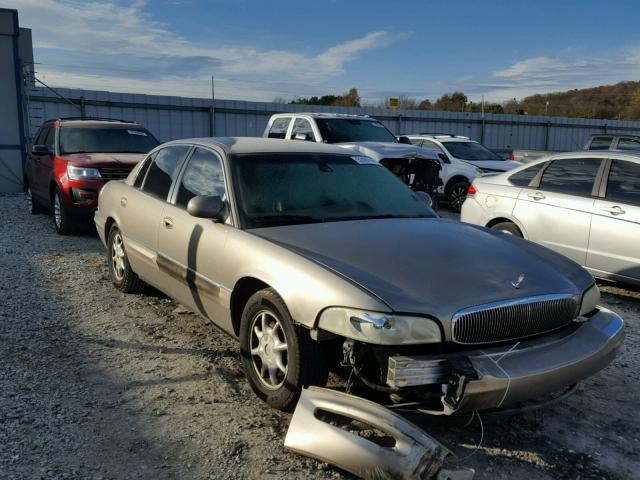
[(313, 256)]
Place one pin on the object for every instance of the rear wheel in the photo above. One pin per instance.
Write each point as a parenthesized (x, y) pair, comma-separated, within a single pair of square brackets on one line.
[(457, 194), (509, 228), (279, 357), (61, 215), (32, 204), (122, 276)]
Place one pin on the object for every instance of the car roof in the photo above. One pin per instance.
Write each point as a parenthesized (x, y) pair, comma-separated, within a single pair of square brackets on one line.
[(233, 145), (91, 121), (325, 115)]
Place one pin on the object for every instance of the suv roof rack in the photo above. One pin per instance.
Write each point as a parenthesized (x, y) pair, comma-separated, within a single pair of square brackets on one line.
[(330, 114), (452, 135), (100, 119)]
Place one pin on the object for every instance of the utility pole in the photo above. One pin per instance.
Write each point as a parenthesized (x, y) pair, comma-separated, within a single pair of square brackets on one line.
[(212, 110)]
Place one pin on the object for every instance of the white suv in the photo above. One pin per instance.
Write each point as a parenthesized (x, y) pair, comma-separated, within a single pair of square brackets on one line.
[(462, 160), (418, 167)]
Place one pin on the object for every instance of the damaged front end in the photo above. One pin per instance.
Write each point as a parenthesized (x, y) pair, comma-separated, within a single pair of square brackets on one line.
[(365, 439), (462, 379)]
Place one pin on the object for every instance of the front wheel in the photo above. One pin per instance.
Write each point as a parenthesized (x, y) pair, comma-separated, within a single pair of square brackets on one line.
[(457, 194), (61, 215), (509, 228), (278, 356)]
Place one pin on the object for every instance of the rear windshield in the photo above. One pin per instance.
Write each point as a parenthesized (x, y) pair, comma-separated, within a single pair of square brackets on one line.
[(470, 151), (105, 140), (288, 189), (346, 130)]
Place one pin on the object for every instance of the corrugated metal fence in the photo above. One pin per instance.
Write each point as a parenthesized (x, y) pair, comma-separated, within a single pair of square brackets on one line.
[(180, 117)]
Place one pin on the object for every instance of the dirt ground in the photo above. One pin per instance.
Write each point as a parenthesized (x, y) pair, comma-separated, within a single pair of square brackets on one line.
[(102, 385)]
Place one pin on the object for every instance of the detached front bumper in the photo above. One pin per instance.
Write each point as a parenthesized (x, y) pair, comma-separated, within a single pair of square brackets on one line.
[(493, 377)]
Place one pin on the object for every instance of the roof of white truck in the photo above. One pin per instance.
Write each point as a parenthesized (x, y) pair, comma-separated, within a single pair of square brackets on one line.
[(325, 115)]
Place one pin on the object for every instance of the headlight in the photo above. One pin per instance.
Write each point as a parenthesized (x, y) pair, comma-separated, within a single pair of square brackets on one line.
[(590, 300), (379, 328), (81, 173)]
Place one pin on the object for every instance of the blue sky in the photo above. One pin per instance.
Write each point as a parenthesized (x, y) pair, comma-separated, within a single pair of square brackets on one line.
[(259, 50)]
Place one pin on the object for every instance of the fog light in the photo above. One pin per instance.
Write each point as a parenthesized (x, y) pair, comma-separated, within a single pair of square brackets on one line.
[(83, 196)]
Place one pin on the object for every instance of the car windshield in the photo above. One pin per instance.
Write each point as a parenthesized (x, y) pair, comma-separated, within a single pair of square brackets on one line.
[(345, 130), (289, 189), (105, 140), (470, 151)]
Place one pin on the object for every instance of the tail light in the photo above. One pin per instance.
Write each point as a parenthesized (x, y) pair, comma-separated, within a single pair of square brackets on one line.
[(472, 191), (512, 157)]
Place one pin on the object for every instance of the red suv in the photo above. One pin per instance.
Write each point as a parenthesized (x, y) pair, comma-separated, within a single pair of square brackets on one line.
[(71, 160)]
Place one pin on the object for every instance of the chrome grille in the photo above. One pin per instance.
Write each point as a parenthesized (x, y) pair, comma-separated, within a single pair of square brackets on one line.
[(513, 319), (114, 173)]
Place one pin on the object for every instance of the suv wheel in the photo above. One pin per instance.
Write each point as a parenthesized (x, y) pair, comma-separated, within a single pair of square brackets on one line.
[(509, 228), (122, 276), (279, 357), (32, 204), (457, 194), (61, 215)]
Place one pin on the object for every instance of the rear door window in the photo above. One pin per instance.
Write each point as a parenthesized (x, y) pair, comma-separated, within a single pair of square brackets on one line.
[(523, 177), (624, 182), (302, 127), (203, 176), (432, 145), (574, 176), (279, 127), (627, 143), (600, 143), (163, 170), (416, 141), (142, 171)]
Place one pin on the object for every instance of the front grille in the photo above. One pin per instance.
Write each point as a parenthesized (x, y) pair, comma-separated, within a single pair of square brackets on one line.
[(513, 319), (114, 173)]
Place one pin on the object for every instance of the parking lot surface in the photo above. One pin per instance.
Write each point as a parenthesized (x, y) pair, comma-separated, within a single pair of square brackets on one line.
[(98, 384)]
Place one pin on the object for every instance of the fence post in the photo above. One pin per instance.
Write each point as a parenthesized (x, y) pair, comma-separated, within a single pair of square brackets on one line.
[(212, 120), (399, 124), (546, 138), (83, 109)]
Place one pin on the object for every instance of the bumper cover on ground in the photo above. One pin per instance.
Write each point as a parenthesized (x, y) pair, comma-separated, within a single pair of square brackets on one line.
[(494, 377)]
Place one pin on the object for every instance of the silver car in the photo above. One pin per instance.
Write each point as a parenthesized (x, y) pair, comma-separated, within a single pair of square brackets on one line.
[(584, 205), (315, 257)]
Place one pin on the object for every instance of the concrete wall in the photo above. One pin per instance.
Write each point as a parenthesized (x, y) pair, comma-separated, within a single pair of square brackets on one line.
[(180, 117), (12, 138)]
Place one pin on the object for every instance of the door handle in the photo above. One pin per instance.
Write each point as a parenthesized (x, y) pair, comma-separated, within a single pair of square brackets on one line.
[(123, 201), (536, 196), (615, 210), (167, 222)]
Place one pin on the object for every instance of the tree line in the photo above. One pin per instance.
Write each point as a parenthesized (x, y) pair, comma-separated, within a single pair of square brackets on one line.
[(620, 102)]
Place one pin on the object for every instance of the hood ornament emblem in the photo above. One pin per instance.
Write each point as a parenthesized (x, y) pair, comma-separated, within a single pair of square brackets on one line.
[(518, 282)]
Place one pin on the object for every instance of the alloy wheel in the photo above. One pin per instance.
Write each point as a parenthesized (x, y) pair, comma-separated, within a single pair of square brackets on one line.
[(457, 196), (269, 351), (118, 256), (57, 210)]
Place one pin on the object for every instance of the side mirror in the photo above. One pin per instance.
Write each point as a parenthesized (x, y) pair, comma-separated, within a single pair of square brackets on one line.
[(427, 198), (41, 150), (443, 157), (403, 139), (206, 206)]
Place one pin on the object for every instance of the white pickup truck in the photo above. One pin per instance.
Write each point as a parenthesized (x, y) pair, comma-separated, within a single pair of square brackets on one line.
[(367, 136)]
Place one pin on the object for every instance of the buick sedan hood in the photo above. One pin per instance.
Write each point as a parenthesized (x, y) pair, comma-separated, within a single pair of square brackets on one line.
[(431, 266), (380, 150)]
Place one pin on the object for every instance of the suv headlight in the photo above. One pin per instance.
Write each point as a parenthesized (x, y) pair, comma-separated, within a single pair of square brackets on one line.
[(590, 300), (379, 328), (82, 173)]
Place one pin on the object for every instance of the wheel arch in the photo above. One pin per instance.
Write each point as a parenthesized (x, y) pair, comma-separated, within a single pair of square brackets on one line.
[(454, 179), (502, 219), (244, 288)]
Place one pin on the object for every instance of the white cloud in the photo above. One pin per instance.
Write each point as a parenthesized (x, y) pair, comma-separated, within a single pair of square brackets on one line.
[(124, 46)]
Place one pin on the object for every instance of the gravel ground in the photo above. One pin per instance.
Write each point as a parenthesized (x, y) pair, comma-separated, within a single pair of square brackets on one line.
[(99, 384)]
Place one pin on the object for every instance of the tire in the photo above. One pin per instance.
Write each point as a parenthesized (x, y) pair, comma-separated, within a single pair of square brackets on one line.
[(32, 204), (457, 194), (122, 276), (276, 373), (509, 228), (61, 215)]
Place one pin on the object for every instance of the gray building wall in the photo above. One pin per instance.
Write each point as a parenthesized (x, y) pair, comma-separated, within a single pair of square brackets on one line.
[(12, 135), (180, 117)]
